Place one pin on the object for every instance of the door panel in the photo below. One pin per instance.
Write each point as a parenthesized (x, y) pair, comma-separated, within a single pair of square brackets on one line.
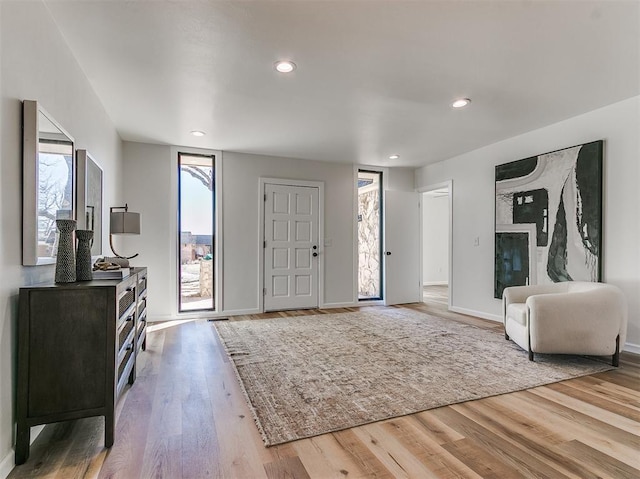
[(402, 241), (291, 232)]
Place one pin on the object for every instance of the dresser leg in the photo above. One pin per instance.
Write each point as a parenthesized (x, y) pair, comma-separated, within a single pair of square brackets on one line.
[(132, 374), (23, 434), (108, 430)]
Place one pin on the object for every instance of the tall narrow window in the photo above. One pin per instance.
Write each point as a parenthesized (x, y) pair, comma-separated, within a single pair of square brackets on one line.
[(369, 235), (196, 232)]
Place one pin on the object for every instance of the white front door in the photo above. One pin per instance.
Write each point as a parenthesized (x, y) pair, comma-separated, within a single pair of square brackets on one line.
[(402, 247), (290, 247)]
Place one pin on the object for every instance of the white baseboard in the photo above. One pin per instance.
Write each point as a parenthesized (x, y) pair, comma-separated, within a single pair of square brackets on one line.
[(338, 305), (435, 283), (478, 314), (239, 312), (158, 318), (200, 315), (8, 463), (631, 348)]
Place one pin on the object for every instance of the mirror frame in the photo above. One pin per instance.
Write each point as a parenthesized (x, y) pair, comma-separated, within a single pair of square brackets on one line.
[(84, 163), (30, 180)]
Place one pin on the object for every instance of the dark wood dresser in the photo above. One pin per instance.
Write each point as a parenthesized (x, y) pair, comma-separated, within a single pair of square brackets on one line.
[(77, 349)]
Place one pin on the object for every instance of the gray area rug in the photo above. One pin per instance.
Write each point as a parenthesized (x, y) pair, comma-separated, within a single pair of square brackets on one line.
[(309, 375)]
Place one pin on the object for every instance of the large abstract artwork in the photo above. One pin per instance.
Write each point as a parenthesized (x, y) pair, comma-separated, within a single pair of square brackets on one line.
[(549, 218)]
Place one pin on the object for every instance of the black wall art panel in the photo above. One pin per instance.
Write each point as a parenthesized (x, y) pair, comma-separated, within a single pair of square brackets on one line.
[(558, 197), (512, 260)]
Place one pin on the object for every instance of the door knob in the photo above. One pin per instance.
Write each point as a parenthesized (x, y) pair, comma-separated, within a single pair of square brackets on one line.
[(315, 254), (314, 247), (388, 253)]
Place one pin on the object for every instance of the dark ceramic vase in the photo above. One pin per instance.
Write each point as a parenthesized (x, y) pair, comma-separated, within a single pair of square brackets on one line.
[(66, 258), (83, 255)]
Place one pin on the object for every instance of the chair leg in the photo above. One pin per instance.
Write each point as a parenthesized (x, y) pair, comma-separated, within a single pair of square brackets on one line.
[(615, 359), (530, 355), (506, 336)]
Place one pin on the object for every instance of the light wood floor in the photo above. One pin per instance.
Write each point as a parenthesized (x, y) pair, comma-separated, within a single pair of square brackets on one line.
[(436, 294), (185, 417)]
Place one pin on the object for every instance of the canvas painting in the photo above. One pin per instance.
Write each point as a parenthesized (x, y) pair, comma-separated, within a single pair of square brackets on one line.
[(549, 207)]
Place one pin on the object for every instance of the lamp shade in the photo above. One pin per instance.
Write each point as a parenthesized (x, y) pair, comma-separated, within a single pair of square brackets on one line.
[(124, 222)]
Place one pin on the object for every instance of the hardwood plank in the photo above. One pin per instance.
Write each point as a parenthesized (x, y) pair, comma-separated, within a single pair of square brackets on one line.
[(596, 433), (601, 464), (435, 428), (48, 452), (500, 450), (397, 459), (552, 392), (86, 446), (608, 390), (416, 440), (530, 444), (622, 377), (480, 460), (133, 419), (162, 458), (286, 468), (200, 444), (597, 401), (241, 451), (323, 456), (361, 455)]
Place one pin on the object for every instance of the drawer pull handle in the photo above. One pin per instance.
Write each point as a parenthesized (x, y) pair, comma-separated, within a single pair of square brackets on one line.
[(129, 318), (129, 289), (129, 347)]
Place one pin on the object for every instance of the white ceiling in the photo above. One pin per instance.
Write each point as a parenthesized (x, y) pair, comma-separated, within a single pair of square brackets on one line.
[(374, 78)]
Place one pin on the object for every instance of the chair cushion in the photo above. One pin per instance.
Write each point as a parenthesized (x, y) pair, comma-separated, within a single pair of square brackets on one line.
[(517, 312)]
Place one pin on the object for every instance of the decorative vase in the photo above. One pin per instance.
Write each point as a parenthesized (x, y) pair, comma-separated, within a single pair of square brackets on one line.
[(66, 258), (83, 255)]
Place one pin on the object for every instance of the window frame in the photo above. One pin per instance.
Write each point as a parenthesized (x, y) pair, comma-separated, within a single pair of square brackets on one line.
[(216, 250), (381, 175)]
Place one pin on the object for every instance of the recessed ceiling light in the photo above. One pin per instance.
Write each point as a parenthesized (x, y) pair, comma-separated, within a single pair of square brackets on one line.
[(394, 157), (461, 103), (198, 133), (285, 66)]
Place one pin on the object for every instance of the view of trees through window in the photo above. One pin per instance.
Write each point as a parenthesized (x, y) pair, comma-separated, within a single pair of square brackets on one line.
[(369, 235), (196, 218)]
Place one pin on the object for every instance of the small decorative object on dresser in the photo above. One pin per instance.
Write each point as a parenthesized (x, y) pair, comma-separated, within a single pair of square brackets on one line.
[(77, 348), (66, 258), (104, 268), (83, 255)]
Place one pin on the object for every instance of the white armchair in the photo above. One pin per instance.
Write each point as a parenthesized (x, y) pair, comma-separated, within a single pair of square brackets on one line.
[(572, 317)]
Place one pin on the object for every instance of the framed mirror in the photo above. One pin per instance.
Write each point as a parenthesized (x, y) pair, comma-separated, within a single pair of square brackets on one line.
[(48, 176), (89, 198)]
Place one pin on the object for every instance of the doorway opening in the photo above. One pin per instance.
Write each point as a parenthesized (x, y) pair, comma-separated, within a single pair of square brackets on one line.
[(369, 235), (435, 246), (196, 232)]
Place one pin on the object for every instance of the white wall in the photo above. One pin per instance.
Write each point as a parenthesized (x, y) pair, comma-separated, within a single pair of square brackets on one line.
[(473, 204), (154, 166), (149, 189), (400, 179), (435, 239), (241, 203), (37, 65)]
